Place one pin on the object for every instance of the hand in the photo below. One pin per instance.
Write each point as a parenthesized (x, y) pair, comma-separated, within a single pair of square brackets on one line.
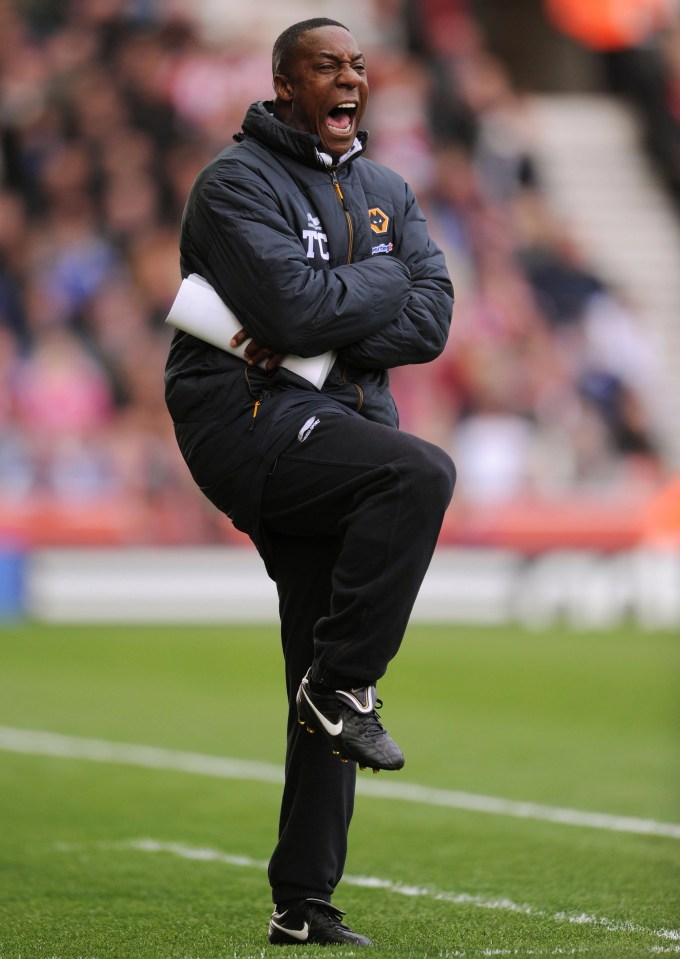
[(255, 353)]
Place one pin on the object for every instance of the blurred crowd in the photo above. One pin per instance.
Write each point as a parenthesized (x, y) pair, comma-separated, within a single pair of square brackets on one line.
[(637, 46), (108, 109)]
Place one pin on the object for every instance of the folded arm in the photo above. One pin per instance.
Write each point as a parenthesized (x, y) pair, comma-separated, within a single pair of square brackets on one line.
[(251, 255), (418, 333)]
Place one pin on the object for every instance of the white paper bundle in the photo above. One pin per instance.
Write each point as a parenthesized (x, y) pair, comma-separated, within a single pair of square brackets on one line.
[(198, 309)]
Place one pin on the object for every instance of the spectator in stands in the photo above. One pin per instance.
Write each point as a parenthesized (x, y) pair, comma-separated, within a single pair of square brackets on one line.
[(636, 41)]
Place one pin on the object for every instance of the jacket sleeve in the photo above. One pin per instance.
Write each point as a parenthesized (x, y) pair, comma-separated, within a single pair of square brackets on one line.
[(237, 234), (419, 331)]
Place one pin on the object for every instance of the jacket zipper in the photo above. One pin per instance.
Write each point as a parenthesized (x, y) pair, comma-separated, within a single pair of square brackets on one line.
[(350, 245), (350, 225)]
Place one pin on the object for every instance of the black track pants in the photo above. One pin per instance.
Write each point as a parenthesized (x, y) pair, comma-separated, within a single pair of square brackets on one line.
[(352, 512)]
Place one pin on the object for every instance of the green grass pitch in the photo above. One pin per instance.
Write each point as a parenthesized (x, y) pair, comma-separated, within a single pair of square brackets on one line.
[(138, 857)]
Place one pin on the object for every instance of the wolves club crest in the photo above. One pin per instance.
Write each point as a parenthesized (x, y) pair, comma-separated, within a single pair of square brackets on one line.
[(379, 221)]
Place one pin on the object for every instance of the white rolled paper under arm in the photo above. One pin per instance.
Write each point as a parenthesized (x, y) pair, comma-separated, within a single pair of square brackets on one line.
[(198, 309)]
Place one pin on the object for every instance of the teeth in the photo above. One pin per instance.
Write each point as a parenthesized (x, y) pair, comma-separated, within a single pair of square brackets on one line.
[(343, 131)]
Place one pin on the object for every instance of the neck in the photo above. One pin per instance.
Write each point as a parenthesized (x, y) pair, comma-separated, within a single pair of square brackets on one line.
[(283, 111)]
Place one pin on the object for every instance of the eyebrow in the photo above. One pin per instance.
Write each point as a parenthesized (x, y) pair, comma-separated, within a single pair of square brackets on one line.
[(333, 56)]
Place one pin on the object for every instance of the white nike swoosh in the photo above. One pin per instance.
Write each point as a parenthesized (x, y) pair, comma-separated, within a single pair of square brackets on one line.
[(301, 934), (333, 729)]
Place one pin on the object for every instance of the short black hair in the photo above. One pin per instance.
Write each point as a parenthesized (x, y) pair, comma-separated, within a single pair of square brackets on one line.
[(288, 40)]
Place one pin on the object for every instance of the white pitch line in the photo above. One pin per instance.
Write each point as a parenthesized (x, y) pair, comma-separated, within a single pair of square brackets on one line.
[(39, 743), (501, 904)]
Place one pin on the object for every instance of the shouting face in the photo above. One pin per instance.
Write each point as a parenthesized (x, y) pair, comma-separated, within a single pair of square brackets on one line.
[(323, 88)]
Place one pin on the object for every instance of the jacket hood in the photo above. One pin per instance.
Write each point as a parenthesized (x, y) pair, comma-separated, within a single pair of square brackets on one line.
[(261, 124)]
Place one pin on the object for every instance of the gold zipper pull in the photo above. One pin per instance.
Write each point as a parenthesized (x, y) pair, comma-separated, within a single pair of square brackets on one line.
[(252, 420), (338, 189)]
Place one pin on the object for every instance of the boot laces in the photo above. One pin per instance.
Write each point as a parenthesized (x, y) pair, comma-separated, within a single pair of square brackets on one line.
[(331, 916), (370, 722)]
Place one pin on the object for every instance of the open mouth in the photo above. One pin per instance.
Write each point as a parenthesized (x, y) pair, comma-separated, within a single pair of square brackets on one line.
[(341, 118)]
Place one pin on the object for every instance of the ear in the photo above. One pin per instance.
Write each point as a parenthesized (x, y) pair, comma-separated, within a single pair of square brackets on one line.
[(283, 88)]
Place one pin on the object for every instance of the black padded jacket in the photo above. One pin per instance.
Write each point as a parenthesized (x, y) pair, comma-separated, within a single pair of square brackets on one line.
[(311, 257)]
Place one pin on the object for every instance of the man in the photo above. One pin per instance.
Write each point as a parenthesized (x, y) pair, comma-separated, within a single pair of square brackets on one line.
[(316, 248)]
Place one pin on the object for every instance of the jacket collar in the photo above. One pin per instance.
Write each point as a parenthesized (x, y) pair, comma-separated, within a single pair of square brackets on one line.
[(261, 124), (325, 159)]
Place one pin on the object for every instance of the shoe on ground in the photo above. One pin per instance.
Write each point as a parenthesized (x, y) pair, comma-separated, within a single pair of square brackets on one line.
[(312, 922), (348, 718)]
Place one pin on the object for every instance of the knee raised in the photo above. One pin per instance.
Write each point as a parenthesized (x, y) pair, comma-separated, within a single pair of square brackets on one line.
[(434, 476), (446, 476)]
